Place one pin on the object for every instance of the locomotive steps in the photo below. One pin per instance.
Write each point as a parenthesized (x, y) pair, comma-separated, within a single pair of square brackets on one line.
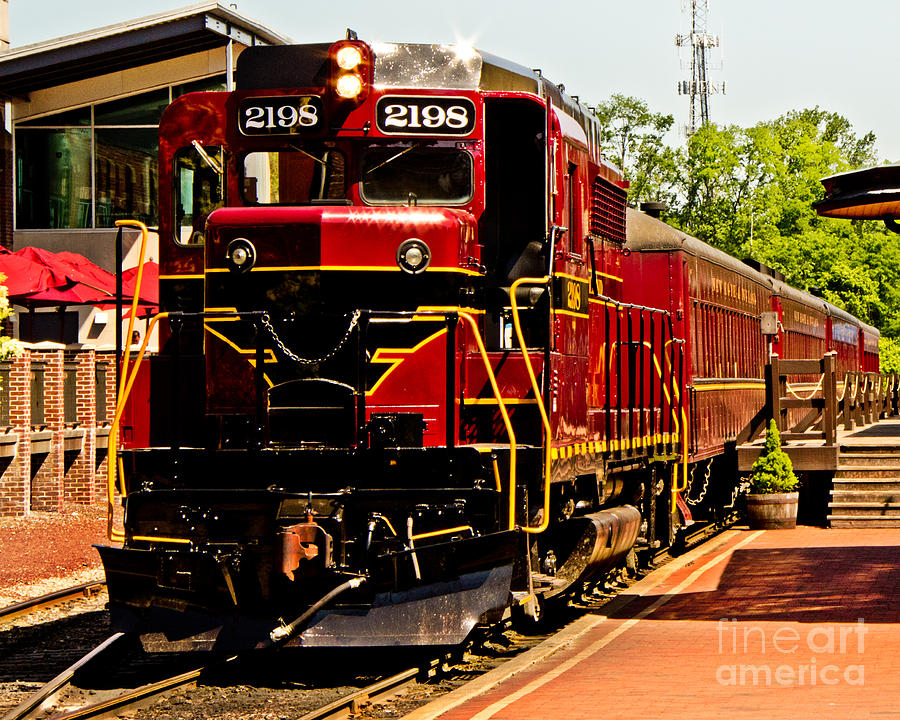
[(866, 489)]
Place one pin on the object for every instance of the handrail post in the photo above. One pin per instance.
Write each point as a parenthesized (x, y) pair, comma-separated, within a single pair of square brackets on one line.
[(845, 403), (773, 391), (895, 399), (175, 380), (450, 415), (642, 420), (651, 403), (870, 399), (260, 385), (362, 327), (829, 412)]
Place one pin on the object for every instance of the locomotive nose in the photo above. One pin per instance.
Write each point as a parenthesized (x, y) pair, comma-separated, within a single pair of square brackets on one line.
[(412, 240)]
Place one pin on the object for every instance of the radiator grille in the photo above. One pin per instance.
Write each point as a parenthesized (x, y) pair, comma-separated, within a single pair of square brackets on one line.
[(608, 211)]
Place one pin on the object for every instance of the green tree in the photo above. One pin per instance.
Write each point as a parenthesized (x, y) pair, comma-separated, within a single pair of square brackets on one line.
[(773, 471), (890, 354), (632, 137), (750, 191), (715, 183)]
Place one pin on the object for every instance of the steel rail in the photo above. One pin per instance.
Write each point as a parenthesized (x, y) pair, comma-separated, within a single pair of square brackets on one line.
[(25, 607), (60, 681), (134, 696), (380, 689)]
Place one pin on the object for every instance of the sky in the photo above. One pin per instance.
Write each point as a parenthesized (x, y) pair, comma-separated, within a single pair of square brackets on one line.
[(774, 56)]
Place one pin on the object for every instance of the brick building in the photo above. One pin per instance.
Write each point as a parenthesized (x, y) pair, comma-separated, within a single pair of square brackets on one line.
[(78, 151)]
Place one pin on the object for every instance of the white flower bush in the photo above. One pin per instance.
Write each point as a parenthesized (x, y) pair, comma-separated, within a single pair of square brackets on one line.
[(8, 347)]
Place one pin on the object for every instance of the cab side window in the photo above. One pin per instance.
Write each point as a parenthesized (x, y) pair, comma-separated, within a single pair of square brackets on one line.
[(573, 211), (199, 189)]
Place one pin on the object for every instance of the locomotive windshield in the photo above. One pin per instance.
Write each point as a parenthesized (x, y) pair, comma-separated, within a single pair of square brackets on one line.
[(408, 174), (295, 176), (416, 175)]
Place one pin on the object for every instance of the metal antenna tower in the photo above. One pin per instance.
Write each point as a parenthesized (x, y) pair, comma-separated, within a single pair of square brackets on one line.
[(699, 87)]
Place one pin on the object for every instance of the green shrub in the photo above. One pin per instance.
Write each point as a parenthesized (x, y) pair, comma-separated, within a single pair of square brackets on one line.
[(773, 471)]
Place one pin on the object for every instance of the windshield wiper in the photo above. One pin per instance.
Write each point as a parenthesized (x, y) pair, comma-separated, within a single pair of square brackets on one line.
[(393, 157), (309, 155), (201, 151)]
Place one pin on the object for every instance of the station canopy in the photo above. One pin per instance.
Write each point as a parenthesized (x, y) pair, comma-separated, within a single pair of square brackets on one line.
[(127, 45), (869, 194)]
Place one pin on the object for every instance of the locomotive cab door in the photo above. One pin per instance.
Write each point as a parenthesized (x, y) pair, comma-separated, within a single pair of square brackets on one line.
[(194, 180), (513, 227)]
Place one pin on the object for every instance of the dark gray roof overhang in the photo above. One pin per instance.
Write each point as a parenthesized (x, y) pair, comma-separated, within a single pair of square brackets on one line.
[(128, 45)]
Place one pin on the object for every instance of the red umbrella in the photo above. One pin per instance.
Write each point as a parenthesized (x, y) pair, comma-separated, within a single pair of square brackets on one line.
[(23, 275), (77, 281), (149, 282), (149, 295)]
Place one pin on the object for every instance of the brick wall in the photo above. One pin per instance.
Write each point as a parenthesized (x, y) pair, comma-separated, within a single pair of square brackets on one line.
[(106, 360), (78, 481), (43, 480), (47, 468), (15, 481)]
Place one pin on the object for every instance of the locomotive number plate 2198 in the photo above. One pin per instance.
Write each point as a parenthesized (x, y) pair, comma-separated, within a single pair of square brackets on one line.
[(282, 115), (409, 115)]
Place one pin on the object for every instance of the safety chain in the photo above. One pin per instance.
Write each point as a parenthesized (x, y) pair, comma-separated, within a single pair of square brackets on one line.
[(705, 485), (267, 324), (740, 488)]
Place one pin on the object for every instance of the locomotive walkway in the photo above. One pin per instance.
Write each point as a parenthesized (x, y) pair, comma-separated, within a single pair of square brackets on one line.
[(768, 624)]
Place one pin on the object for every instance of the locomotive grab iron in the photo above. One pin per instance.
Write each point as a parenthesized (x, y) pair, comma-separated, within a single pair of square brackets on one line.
[(420, 364)]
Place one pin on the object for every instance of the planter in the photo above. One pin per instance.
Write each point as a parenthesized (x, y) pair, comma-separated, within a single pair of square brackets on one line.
[(774, 511)]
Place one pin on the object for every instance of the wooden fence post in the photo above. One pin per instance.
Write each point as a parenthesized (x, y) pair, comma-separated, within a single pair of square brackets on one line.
[(829, 393)]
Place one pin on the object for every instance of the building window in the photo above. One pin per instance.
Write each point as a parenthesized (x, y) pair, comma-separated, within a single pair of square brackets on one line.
[(53, 172), (126, 172), (91, 166)]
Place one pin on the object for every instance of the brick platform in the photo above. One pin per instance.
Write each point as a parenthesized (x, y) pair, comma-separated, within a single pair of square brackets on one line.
[(775, 624)]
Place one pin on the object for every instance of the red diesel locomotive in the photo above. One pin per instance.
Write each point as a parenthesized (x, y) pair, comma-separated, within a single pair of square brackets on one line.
[(421, 366)]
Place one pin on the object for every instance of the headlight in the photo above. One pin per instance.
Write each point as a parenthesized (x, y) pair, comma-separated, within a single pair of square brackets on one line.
[(413, 256), (349, 86), (348, 57), (240, 256)]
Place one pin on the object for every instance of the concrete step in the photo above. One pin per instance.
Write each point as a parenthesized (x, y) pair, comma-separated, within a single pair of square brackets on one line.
[(877, 484), (868, 459), (867, 497), (880, 449), (866, 471), (844, 521), (865, 509)]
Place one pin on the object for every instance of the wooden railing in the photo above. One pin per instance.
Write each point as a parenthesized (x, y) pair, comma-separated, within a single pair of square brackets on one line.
[(861, 398)]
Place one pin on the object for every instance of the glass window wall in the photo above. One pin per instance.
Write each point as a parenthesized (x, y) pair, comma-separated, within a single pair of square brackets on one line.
[(53, 172), (91, 166)]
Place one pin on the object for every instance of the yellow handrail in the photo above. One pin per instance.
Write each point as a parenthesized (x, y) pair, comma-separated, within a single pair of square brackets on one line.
[(137, 289), (111, 464), (113, 450), (545, 518), (506, 421), (438, 533)]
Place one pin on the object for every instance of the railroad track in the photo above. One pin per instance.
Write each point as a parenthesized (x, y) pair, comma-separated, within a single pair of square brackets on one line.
[(10, 612), (71, 708), (77, 705)]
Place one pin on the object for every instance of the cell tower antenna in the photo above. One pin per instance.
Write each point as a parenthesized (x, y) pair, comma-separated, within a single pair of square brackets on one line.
[(699, 87)]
